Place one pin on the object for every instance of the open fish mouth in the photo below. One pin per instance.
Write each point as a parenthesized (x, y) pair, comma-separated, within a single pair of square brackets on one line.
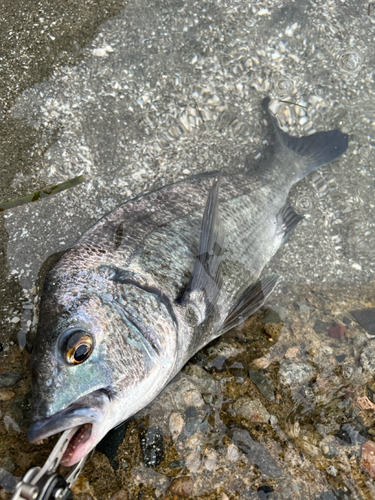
[(87, 413)]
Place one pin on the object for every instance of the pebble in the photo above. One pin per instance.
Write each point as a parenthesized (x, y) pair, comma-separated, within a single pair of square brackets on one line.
[(7, 379), (264, 385), (337, 331), (320, 326), (295, 373), (368, 457), (16, 319), (152, 446), (251, 409), (233, 453), (181, 486), (291, 353), (366, 318), (367, 359), (176, 424), (6, 395)]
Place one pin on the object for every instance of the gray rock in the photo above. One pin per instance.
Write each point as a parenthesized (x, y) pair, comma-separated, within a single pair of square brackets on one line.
[(304, 308), (264, 385), (7, 480), (295, 373), (366, 318), (256, 453), (368, 358), (7, 379), (251, 409)]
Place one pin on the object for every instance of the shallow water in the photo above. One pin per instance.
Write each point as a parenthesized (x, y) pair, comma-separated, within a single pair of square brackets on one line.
[(284, 407)]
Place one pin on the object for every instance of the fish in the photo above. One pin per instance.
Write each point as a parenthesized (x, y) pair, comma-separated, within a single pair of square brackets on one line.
[(155, 280)]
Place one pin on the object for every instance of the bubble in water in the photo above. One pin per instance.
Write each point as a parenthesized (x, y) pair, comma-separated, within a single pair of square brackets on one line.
[(283, 86), (304, 203), (350, 61)]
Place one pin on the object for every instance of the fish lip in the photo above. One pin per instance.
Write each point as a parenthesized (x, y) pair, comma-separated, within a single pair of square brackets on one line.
[(76, 414)]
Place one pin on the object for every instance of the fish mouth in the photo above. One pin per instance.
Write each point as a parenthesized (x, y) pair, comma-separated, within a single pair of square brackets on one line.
[(87, 413)]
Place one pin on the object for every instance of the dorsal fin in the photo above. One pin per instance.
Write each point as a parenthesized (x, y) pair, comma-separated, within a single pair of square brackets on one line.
[(203, 290)]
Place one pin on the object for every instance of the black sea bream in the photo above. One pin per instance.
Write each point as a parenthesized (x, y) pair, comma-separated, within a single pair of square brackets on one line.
[(154, 281)]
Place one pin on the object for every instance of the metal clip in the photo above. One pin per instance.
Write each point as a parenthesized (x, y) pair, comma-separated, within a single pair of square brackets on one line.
[(43, 483)]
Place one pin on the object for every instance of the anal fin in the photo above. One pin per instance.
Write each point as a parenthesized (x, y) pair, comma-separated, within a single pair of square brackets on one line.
[(288, 220), (204, 286), (250, 300)]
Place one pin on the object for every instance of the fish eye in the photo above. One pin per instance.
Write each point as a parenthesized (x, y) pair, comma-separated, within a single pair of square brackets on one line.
[(78, 346)]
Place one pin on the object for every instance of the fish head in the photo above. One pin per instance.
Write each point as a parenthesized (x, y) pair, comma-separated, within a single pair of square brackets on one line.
[(99, 357)]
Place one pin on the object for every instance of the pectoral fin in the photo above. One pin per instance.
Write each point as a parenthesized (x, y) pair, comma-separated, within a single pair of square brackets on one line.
[(250, 301), (204, 286)]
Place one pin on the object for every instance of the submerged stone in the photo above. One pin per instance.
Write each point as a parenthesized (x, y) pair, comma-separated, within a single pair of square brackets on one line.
[(265, 386), (337, 331), (152, 445), (366, 318), (295, 373), (7, 379), (251, 409), (320, 326)]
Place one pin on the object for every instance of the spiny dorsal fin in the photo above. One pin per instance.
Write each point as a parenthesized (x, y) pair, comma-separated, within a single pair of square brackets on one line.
[(249, 301), (287, 219), (205, 283)]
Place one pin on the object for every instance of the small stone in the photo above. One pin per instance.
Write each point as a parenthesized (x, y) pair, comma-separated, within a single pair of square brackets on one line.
[(181, 486), (251, 409), (219, 363), (271, 316), (152, 445), (233, 453), (366, 318), (16, 319), (320, 326), (368, 457), (176, 424), (331, 470), (291, 353), (367, 358), (337, 331), (237, 369), (6, 395), (295, 373), (303, 307), (273, 420), (120, 495), (264, 385), (7, 379), (273, 329)]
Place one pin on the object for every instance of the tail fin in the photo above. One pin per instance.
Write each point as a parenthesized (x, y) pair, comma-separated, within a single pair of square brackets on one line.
[(314, 150)]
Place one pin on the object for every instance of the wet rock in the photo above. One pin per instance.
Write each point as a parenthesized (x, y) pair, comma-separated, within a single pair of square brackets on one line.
[(367, 358), (349, 435), (191, 412), (233, 453), (303, 307), (219, 364), (271, 316), (120, 495), (295, 373), (346, 320), (7, 480), (181, 486), (192, 425), (152, 445), (341, 357), (176, 424), (7, 463), (237, 369), (251, 409), (337, 331), (291, 353), (368, 457), (210, 460), (265, 386), (7, 379), (265, 492), (366, 318), (148, 476), (273, 330), (6, 395), (320, 326), (256, 453), (176, 464)]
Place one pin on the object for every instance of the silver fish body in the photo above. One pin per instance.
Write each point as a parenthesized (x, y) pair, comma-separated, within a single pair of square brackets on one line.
[(155, 280)]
